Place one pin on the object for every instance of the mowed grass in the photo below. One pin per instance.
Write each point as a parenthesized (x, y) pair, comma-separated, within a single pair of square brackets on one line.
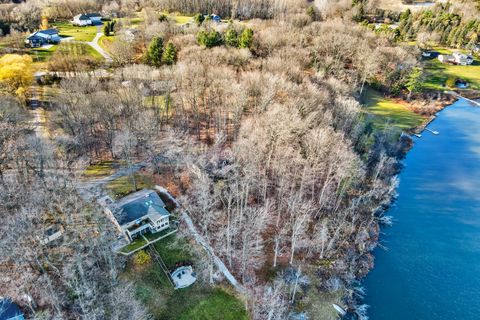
[(75, 49), (387, 111), (66, 29), (123, 186), (197, 302), (437, 73), (42, 54)]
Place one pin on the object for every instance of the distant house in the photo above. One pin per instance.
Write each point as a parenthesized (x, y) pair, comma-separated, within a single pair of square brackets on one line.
[(476, 48), (42, 37), (138, 213), (87, 19), (9, 310), (456, 58)]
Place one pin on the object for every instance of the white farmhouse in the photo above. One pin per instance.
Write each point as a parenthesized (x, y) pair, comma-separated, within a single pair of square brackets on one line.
[(87, 19)]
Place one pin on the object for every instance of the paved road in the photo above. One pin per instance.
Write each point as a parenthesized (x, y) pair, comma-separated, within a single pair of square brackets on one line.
[(94, 44)]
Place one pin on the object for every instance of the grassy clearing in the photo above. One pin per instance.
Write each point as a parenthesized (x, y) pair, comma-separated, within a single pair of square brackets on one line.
[(134, 245), (75, 49), (66, 29), (198, 302), (389, 111), (105, 42), (123, 186), (437, 74), (42, 54), (101, 169)]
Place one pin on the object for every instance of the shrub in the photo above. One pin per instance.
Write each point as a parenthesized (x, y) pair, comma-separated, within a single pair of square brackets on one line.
[(450, 83), (141, 258), (231, 38), (246, 39)]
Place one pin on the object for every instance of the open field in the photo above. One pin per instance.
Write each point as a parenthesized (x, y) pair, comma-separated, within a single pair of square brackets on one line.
[(388, 111), (66, 29), (75, 49), (42, 54), (437, 73), (198, 302)]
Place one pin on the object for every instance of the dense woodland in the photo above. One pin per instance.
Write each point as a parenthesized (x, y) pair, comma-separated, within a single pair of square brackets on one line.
[(257, 124)]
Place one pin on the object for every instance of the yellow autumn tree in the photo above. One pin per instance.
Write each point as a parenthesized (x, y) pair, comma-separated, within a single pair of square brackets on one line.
[(16, 73)]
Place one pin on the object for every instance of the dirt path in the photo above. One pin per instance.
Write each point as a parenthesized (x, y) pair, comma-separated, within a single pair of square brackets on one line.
[(204, 243)]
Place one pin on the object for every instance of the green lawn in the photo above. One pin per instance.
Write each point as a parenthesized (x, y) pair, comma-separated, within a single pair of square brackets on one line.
[(76, 49), (123, 186), (101, 169), (437, 73), (66, 29), (105, 42), (137, 243), (197, 302), (389, 111), (42, 54)]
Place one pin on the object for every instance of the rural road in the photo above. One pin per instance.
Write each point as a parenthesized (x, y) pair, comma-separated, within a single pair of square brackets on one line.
[(94, 44)]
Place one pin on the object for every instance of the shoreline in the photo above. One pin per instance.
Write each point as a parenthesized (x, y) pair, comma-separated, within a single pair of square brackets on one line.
[(374, 244)]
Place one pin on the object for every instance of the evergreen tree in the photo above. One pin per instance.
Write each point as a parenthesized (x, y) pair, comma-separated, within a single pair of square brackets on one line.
[(198, 18), (170, 54), (231, 38), (413, 82), (246, 38), (106, 29), (112, 26), (155, 51), (209, 39)]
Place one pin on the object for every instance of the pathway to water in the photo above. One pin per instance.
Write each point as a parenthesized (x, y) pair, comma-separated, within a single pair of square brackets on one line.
[(432, 267)]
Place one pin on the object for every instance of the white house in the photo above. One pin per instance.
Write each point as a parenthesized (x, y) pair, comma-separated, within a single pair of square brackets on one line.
[(462, 59), (138, 213), (87, 19), (456, 58)]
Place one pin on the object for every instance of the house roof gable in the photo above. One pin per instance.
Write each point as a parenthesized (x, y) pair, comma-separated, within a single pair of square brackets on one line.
[(138, 205)]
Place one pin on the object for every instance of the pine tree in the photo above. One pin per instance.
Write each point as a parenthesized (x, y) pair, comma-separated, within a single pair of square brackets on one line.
[(106, 29), (170, 54), (231, 38), (198, 18), (155, 51), (246, 38), (112, 26)]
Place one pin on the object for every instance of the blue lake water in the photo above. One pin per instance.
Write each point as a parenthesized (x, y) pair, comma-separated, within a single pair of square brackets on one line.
[(431, 269)]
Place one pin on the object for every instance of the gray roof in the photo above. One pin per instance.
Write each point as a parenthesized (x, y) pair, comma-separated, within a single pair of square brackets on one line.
[(137, 205), (49, 31), (83, 17), (92, 15)]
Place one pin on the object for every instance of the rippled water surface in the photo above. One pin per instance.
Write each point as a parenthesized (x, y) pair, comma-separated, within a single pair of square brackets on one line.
[(431, 269)]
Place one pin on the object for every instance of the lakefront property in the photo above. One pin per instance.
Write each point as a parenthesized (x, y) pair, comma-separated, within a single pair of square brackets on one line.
[(138, 213)]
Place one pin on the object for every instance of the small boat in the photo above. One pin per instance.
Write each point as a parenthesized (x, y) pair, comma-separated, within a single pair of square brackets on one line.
[(418, 135), (339, 309)]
